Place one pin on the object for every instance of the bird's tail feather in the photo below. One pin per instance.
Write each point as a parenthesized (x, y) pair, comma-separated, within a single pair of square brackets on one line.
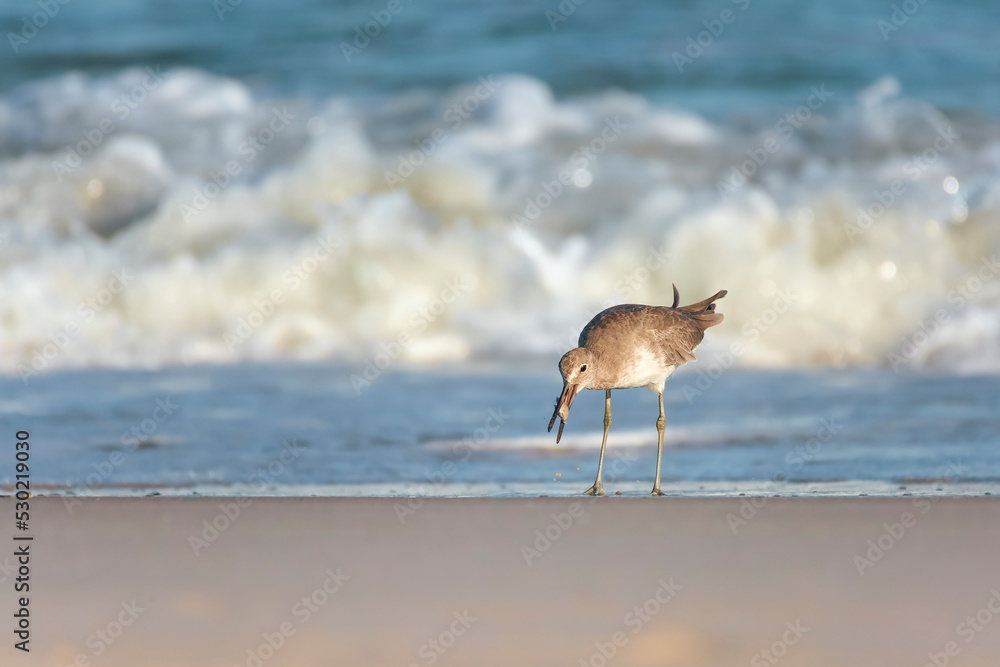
[(704, 311)]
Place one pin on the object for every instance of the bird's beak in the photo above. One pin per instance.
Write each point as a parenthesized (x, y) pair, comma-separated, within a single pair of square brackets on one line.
[(563, 404), (565, 401)]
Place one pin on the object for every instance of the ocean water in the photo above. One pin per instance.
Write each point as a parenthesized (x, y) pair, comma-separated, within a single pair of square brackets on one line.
[(303, 429), (764, 58), (249, 208)]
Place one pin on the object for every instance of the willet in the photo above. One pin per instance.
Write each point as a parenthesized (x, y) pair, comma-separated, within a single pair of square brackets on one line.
[(631, 346)]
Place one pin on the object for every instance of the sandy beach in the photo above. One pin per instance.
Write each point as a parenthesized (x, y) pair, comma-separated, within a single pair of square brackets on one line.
[(627, 581)]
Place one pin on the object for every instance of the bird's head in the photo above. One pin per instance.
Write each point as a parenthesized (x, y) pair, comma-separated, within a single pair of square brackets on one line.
[(577, 368)]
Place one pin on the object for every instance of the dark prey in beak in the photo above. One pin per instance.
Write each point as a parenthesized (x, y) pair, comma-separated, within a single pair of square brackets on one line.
[(563, 404), (562, 422)]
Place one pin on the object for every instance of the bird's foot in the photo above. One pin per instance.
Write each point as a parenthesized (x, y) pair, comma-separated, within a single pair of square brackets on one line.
[(656, 491), (596, 490)]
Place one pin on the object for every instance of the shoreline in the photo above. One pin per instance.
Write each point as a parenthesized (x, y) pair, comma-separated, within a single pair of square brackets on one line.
[(692, 489)]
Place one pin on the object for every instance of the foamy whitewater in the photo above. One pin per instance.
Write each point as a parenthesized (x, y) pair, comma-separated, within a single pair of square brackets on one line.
[(154, 217)]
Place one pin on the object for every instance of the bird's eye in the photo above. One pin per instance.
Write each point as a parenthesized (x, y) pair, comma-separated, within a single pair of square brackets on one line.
[(583, 368)]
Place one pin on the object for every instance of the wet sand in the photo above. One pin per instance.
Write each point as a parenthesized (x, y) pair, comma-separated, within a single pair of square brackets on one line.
[(341, 581)]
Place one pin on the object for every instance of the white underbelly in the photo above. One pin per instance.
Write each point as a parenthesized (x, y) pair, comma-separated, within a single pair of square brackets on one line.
[(646, 370)]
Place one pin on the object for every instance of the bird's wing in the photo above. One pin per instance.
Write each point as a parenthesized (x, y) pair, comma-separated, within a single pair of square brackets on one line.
[(675, 334), (610, 317), (672, 334)]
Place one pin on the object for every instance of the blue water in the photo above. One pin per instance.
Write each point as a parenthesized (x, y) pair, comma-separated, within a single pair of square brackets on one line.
[(278, 429), (945, 53)]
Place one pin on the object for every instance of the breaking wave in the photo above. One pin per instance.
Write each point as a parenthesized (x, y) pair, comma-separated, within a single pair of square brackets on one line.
[(153, 218)]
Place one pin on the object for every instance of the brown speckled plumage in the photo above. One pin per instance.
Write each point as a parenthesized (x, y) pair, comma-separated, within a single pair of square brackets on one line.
[(632, 345), (617, 335)]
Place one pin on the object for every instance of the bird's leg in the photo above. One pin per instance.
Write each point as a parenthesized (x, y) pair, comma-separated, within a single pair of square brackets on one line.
[(660, 423), (598, 489)]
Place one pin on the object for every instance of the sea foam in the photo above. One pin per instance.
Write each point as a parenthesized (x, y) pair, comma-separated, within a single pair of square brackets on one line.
[(857, 231)]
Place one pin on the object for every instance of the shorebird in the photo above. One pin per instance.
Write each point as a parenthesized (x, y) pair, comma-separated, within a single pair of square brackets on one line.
[(631, 346)]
